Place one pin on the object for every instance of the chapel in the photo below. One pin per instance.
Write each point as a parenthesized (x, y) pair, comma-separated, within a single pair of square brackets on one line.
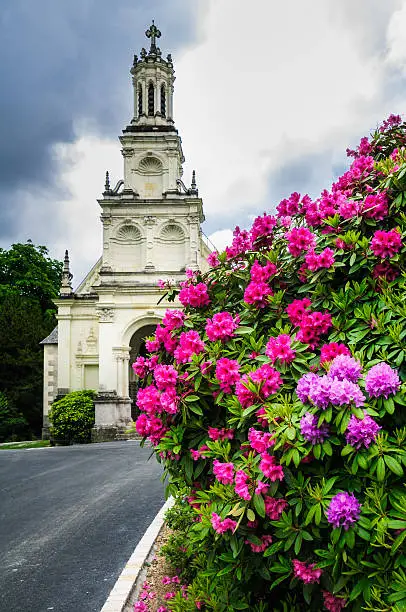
[(151, 225)]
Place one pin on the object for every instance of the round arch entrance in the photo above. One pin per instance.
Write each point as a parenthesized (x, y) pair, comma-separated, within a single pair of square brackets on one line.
[(137, 348)]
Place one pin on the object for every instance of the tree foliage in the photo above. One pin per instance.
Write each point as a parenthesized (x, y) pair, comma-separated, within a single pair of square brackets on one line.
[(29, 281)]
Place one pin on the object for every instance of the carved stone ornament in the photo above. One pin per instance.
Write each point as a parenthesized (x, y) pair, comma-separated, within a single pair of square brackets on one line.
[(150, 220), (106, 315)]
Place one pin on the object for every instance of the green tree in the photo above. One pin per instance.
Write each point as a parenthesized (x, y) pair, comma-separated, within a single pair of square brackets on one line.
[(29, 281)]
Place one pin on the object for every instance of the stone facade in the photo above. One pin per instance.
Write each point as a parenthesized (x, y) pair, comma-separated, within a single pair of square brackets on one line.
[(151, 231)]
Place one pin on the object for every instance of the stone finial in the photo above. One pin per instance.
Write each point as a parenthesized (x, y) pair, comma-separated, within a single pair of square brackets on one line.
[(153, 33), (169, 58), (135, 60), (143, 53), (66, 282), (193, 187), (107, 188)]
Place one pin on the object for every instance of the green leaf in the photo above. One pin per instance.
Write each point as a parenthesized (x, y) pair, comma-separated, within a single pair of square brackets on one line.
[(241, 331), (250, 515), (399, 541), (259, 505), (192, 398), (291, 433), (393, 465), (380, 470), (359, 588), (196, 409)]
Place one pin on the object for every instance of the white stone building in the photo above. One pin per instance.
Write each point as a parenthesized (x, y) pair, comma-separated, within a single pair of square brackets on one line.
[(151, 230)]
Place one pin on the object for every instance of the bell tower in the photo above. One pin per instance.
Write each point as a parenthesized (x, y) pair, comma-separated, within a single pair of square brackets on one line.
[(151, 220), (152, 149)]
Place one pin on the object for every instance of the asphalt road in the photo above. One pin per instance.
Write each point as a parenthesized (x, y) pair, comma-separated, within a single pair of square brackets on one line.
[(70, 517)]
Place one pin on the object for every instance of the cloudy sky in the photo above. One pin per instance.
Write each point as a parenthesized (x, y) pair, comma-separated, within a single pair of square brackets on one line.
[(269, 94)]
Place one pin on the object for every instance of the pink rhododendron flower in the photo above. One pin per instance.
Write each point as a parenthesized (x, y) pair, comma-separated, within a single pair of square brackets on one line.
[(266, 542), (269, 467), (140, 606), (220, 434), (222, 326), (300, 239), (324, 260), (333, 603), (169, 595), (190, 344), (241, 486), (385, 270), (297, 309), (173, 319), (165, 376), (274, 507), (169, 401), (330, 351), (257, 294), (221, 526), (261, 230), (241, 243), (213, 259), (152, 346), (386, 244), (140, 366), (162, 609), (195, 296), (148, 399), (227, 373), (224, 472), (306, 571), (260, 441), (166, 580), (349, 209), (382, 380), (279, 349), (375, 206), (261, 274), (268, 380), (261, 487), (312, 326)]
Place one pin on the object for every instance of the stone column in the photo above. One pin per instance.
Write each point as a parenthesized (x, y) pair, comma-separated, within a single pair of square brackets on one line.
[(64, 347), (194, 242), (127, 154), (135, 86), (149, 223)]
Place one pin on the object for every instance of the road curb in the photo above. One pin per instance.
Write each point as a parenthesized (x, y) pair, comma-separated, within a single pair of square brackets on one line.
[(126, 585)]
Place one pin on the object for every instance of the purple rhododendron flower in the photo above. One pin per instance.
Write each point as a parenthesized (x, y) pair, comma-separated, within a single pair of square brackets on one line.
[(345, 367), (382, 380), (304, 385), (361, 432), (344, 510), (344, 392), (320, 391), (310, 431)]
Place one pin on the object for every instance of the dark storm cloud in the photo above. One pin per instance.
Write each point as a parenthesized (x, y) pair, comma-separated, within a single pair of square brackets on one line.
[(62, 62)]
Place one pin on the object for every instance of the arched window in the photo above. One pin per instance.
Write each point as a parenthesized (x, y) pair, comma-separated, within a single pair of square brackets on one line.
[(163, 101), (139, 99), (151, 99)]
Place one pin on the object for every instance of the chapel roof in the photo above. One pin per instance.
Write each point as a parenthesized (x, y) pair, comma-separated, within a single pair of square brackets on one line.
[(52, 338)]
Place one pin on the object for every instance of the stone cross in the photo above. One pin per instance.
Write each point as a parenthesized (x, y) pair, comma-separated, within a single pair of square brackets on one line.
[(153, 33)]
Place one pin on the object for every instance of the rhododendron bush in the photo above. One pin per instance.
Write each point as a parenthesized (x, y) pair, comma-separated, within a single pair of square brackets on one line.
[(276, 398)]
